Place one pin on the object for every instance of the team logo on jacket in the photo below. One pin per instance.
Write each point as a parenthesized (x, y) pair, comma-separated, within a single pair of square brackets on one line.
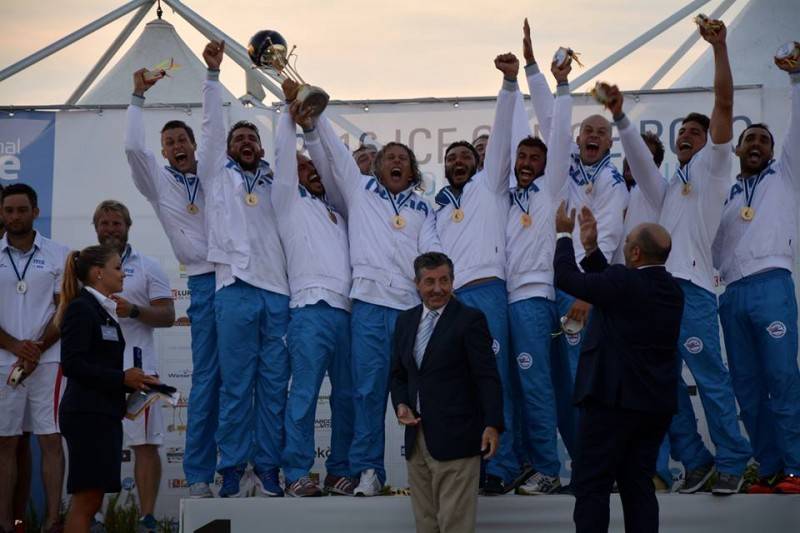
[(495, 346), (573, 339), (777, 329), (525, 361), (693, 345)]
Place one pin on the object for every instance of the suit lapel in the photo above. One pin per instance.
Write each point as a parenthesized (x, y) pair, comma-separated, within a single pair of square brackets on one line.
[(442, 325), (413, 326)]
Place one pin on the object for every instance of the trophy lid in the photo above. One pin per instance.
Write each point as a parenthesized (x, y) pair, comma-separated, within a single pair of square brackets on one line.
[(264, 42)]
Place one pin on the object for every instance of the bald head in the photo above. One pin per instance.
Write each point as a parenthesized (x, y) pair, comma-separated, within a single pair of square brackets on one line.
[(647, 244), (594, 139)]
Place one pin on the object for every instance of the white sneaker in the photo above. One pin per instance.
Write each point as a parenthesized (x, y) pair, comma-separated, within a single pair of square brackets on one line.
[(200, 490), (369, 484), (539, 484)]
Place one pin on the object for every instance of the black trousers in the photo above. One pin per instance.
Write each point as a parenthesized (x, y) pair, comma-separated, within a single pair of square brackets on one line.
[(619, 444)]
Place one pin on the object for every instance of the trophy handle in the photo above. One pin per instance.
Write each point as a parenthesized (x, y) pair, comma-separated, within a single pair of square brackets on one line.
[(314, 98)]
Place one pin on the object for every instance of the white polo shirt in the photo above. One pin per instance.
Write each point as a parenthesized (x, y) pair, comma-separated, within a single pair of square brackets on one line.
[(144, 282), (313, 233), (382, 256), (25, 316), (169, 192)]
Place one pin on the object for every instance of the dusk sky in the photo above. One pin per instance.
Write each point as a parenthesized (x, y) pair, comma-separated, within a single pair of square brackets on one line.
[(359, 49)]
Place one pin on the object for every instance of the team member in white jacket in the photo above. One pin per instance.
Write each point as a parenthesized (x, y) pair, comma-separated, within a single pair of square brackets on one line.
[(593, 182), (470, 220), (252, 299), (179, 203), (389, 226), (754, 251), (541, 172), (314, 237)]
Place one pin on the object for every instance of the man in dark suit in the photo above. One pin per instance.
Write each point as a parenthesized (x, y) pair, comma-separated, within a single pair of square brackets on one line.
[(628, 371), (446, 391)]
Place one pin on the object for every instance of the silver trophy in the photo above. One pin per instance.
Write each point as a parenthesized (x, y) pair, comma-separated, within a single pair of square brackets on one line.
[(268, 50)]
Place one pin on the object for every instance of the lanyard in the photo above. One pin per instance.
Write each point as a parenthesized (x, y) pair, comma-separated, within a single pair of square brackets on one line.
[(399, 205), (589, 178), (14, 265), (522, 199), (191, 190), (751, 183)]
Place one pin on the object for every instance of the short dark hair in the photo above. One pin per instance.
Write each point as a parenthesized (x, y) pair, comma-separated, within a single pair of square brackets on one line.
[(759, 125), (365, 146), (376, 164), (652, 140), (19, 188), (650, 247), (177, 124), (242, 124), (431, 260), (479, 137), (465, 144), (700, 118), (533, 142)]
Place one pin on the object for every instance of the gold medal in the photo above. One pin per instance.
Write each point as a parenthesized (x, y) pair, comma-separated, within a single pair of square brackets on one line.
[(687, 188), (398, 222), (747, 213), (192, 208), (525, 220), (458, 215), (589, 188), (251, 200), (332, 216)]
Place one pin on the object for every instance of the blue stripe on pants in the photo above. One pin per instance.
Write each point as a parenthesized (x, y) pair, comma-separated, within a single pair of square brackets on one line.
[(699, 348), (759, 321), (319, 340), (200, 457), (491, 298), (532, 323), (254, 366), (372, 329), (566, 351)]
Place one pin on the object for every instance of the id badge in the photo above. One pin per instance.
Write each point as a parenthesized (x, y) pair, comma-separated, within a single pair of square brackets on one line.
[(109, 333)]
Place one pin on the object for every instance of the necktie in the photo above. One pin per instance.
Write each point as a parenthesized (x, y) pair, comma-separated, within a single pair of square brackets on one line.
[(423, 336)]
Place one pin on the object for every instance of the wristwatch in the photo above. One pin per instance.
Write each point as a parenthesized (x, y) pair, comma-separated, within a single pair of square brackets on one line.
[(135, 311)]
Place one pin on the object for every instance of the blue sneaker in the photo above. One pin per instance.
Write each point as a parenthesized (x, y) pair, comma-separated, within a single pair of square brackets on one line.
[(267, 484), (231, 482), (147, 524)]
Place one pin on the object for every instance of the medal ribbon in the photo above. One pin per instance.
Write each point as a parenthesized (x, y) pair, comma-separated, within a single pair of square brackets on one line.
[(522, 199), (263, 171), (586, 177), (14, 265), (191, 190), (125, 255), (452, 197), (751, 183), (682, 174), (398, 206)]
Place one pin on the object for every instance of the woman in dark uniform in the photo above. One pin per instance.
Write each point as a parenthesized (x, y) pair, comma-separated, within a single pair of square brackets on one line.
[(94, 401)]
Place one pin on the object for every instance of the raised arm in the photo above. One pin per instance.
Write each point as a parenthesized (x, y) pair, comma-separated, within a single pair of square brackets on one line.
[(721, 128), (285, 181), (559, 144), (214, 151), (647, 175), (144, 167), (345, 172), (498, 152), (790, 152), (541, 97)]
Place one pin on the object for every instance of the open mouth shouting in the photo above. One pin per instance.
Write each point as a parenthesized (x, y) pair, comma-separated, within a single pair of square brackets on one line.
[(754, 157), (396, 173), (592, 149)]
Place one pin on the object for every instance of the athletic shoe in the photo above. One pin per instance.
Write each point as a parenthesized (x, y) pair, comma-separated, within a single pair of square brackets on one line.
[(727, 484), (200, 490), (495, 486), (339, 485), (232, 478), (765, 485), (97, 526), (789, 485), (303, 488), (695, 479), (268, 485), (539, 484), (368, 484), (147, 524)]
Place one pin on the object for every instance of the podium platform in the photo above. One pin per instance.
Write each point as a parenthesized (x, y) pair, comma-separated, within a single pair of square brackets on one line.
[(698, 513)]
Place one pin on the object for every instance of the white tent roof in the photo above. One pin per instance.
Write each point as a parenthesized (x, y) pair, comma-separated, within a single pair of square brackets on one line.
[(753, 37), (158, 42)]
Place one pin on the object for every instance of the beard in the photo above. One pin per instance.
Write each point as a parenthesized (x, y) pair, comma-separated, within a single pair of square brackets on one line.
[(115, 243)]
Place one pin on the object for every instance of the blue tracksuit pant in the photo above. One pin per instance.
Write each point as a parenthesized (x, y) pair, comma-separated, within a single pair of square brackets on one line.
[(699, 348), (372, 329), (319, 340), (566, 351), (759, 321), (200, 454), (532, 323), (254, 366), (491, 297)]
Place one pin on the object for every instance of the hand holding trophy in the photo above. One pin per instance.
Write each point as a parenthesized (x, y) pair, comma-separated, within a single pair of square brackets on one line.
[(268, 50)]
